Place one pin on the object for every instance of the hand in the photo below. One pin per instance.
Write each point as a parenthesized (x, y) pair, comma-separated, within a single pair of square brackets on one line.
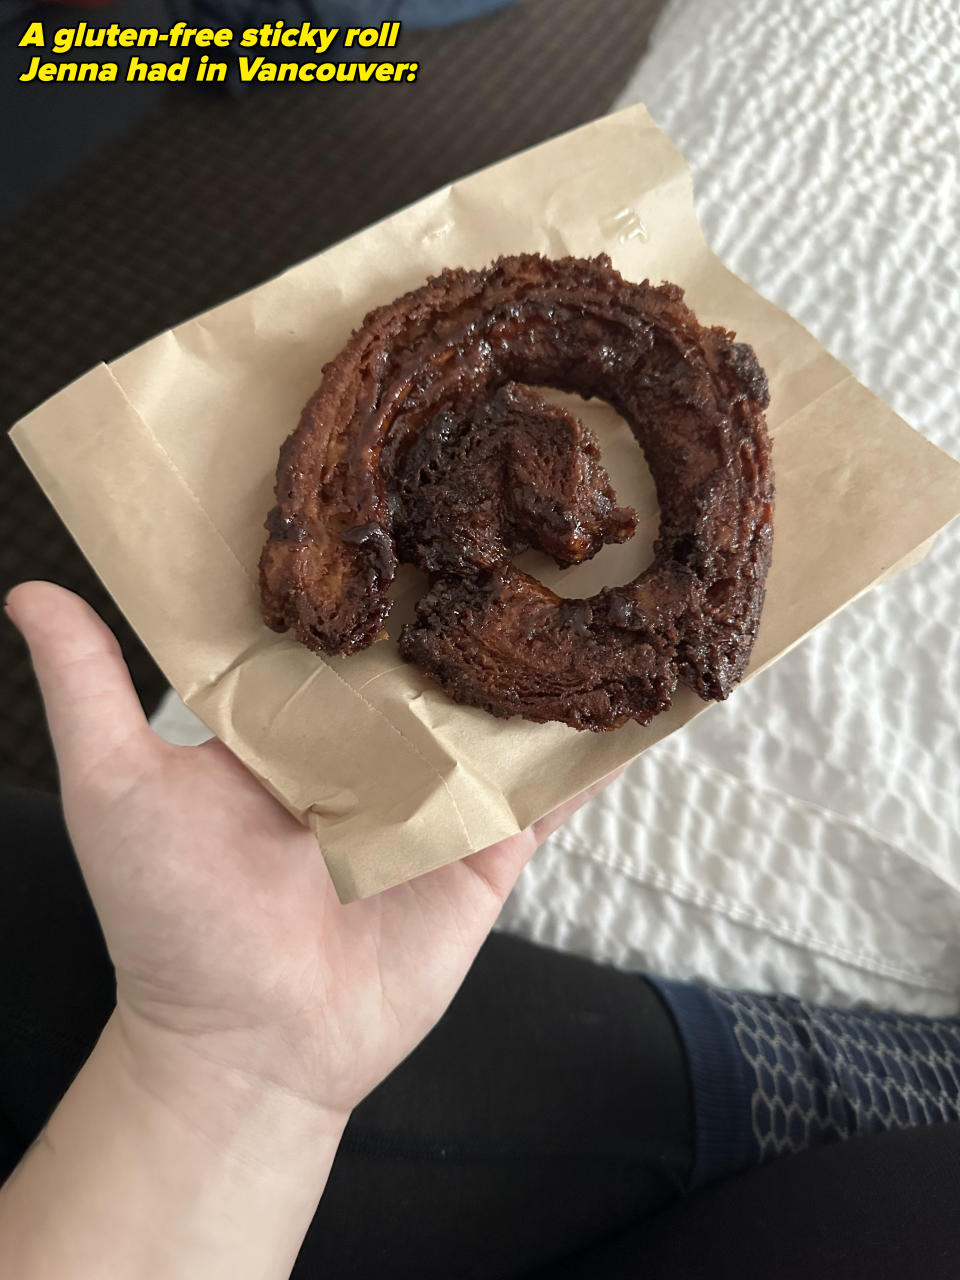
[(233, 953)]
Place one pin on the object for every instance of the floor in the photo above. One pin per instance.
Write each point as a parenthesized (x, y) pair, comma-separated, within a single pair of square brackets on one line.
[(215, 191)]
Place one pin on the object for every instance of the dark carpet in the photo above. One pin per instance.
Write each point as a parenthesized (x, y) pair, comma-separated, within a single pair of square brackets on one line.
[(214, 192)]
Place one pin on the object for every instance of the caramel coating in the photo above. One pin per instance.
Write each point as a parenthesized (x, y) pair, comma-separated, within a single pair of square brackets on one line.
[(420, 446)]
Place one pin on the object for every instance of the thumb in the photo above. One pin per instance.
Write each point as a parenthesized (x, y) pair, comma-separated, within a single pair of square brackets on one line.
[(500, 864), (557, 817), (93, 712)]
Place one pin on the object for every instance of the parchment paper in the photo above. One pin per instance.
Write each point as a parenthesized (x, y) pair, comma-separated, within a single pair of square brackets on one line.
[(161, 464)]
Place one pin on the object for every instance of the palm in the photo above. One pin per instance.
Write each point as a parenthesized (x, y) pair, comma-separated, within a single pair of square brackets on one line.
[(218, 910), (223, 922)]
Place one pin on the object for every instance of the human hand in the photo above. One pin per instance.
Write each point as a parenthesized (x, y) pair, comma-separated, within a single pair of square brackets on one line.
[(234, 957)]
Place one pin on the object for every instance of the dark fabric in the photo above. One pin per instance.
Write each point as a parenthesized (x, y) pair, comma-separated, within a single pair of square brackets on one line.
[(542, 1131), (56, 979), (721, 1080), (773, 1075), (549, 1108), (876, 1208)]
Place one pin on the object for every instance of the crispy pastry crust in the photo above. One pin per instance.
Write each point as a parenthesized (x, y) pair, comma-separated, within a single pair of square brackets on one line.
[(420, 446)]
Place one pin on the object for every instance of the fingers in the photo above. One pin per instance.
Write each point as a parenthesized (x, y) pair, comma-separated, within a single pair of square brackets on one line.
[(501, 863), (92, 710), (549, 823)]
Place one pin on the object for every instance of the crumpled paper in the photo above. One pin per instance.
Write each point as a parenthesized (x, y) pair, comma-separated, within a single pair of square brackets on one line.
[(162, 463)]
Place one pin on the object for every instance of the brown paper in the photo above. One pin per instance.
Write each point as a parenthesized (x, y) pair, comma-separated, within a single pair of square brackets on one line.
[(161, 464)]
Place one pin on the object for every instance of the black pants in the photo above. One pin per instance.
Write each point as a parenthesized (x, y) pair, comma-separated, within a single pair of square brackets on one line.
[(543, 1129)]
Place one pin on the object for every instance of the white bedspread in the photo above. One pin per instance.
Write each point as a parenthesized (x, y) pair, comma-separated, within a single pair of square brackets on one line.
[(805, 836)]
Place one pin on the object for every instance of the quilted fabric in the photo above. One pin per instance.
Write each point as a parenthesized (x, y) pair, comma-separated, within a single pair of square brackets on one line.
[(805, 836), (822, 1075)]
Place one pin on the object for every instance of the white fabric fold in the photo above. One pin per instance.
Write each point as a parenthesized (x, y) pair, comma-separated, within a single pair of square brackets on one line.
[(805, 837)]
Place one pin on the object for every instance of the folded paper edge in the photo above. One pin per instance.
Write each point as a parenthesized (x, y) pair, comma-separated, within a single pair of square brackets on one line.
[(705, 260)]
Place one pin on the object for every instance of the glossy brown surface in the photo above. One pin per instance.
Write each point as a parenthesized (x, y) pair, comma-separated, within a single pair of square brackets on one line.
[(420, 446)]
